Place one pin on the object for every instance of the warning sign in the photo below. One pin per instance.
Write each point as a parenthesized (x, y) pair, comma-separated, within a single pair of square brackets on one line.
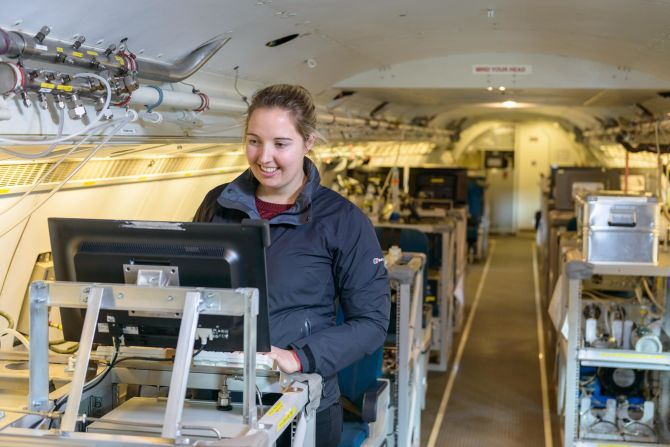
[(502, 69)]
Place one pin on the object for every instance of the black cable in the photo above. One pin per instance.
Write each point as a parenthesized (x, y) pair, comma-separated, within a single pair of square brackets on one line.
[(193, 89), (96, 380), (237, 73)]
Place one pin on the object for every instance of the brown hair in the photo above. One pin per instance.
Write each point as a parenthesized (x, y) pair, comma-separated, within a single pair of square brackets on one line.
[(293, 98)]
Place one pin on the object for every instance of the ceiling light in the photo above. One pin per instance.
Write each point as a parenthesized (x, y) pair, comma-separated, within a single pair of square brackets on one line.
[(489, 88), (510, 104), (502, 88)]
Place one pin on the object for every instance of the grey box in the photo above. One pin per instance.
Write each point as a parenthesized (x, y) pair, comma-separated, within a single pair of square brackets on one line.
[(618, 228)]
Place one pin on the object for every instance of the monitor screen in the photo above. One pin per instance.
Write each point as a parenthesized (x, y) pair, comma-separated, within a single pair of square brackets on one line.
[(204, 254), (439, 183), (564, 178)]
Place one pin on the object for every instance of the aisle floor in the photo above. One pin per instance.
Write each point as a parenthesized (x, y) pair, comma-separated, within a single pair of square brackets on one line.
[(496, 399)]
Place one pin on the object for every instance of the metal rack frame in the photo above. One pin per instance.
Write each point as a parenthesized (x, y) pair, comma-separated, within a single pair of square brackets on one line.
[(443, 325), (411, 366), (190, 303), (576, 271)]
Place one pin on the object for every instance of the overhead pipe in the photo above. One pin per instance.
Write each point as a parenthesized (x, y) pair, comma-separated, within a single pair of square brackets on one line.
[(17, 44), (330, 118), (642, 126), (157, 97)]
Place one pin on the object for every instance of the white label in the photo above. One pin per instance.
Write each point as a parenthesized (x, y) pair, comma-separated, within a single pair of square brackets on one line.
[(128, 131), (103, 328), (41, 47), (489, 69), (131, 330)]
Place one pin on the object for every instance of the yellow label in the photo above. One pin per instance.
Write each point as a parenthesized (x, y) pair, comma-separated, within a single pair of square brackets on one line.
[(286, 419), (47, 85), (4, 191), (142, 178), (188, 174), (276, 408), (120, 60), (437, 180), (65, 88), (59, 50), (632, 356), (77, 54), (89, 183), (91, 53)]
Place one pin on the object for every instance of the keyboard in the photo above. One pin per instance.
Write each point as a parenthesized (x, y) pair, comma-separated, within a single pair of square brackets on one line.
[(231, 360)]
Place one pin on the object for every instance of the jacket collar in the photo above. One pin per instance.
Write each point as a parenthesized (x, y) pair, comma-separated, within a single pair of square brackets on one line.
[(240, 194)]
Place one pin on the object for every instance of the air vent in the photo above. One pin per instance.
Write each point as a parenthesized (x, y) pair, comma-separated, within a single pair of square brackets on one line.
[(281, 40), (107, 171)]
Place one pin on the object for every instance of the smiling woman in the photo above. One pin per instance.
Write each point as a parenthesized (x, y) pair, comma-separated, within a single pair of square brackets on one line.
[(323, 249)]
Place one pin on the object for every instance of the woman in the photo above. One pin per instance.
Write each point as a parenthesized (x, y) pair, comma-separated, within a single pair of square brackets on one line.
[(323, 248)]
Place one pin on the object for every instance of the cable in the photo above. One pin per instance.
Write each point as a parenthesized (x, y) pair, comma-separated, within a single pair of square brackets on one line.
[(17, 335), (43, 177), (70, 175), (647, 289), (86, 129), (6, 316), (61, 124), (237, 73)]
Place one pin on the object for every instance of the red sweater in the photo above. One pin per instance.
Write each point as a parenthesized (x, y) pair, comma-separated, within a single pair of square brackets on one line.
[(269, 210)]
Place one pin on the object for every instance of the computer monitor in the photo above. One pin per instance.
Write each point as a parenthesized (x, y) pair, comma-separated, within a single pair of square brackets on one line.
[(204, 254), (566, 180), (439, 183)]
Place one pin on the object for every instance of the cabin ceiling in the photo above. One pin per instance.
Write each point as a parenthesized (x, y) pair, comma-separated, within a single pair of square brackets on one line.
[(350, 42)]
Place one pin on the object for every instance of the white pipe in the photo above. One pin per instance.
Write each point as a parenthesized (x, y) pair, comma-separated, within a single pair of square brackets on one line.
[(186, 100), (182, 100)]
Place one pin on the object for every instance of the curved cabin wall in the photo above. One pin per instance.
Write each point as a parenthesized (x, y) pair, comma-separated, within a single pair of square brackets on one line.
[(173, 199)]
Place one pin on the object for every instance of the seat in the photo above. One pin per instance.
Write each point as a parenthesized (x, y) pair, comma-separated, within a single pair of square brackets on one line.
[(365, 400), (476, 210)]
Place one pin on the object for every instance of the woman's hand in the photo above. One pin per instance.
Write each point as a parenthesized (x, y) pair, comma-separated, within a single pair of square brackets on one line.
[(286, 359)]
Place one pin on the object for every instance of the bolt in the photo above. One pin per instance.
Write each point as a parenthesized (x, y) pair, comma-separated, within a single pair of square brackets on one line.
[(43, 32), (170, 298), (211, 305), (119, 296), (61, 58)]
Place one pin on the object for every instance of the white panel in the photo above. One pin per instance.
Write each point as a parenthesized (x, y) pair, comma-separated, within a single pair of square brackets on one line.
[(175, 200), (531, 160), (548, 72)]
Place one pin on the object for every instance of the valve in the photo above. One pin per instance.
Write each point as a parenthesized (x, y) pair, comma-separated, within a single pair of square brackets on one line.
[(42, 33), (75, 107), (78, 42), (41, 97), (58, 102), (110, 49), (26, 100)]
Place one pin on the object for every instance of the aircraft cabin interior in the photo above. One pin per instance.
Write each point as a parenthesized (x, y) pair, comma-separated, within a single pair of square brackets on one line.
[(447, 225)]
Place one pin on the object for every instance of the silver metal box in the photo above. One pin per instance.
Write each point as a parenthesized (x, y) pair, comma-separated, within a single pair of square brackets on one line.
[(618, 228)]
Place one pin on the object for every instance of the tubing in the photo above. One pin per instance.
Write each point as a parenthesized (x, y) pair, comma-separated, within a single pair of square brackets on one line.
[(97, 118)]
